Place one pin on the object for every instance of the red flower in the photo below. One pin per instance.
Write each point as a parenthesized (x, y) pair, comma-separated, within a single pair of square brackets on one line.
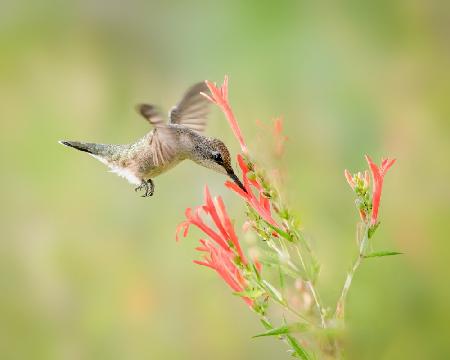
[(193, 218), (223, 253), (277, 132), (260, 203), (220, 217), (223, 263), (219, 96), (378, 177)]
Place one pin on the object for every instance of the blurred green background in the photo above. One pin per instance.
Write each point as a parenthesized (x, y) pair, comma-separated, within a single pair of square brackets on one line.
[(89, 270)]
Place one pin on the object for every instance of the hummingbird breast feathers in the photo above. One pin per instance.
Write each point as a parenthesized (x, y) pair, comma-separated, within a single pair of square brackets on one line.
[(126, 173)]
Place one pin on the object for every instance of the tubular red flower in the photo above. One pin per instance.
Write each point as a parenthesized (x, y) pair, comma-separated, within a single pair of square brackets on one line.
[(215, 208), (210, 208), (224, 253), (260, 204), (222, 262), (195, 219), (230, 229), (377, 177), (219, 96)]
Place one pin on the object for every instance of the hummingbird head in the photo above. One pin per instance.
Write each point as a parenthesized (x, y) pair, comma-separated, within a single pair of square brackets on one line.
[(214, 155)]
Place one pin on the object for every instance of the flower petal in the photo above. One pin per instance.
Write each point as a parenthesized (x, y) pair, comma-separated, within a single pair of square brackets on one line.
[(377, 177), (213, 212), (230, 229), (220, 98), (183, 225), (231, 185)]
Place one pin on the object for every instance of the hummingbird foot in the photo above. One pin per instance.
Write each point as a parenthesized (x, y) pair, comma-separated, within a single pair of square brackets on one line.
[(148, 186), (151, 187)]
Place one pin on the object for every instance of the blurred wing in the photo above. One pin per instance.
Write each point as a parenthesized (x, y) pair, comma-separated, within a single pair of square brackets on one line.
[(151, 114), (192, 111), (162, 146)]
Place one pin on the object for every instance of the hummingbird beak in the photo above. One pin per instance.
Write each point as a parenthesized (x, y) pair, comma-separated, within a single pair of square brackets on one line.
[(233, 176)]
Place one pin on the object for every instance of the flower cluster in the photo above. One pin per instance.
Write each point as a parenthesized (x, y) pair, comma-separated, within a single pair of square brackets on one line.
[(260, 203), (283, 249), (360, 184), (222, 252)]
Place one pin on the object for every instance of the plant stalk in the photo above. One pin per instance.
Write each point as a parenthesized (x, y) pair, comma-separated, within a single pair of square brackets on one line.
[(340, 307)]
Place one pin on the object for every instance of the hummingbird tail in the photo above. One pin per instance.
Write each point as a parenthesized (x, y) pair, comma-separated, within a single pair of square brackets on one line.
[(91, 148), (86, 147)]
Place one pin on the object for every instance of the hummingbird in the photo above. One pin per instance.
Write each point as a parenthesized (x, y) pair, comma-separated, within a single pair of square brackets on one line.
[(166, 144)]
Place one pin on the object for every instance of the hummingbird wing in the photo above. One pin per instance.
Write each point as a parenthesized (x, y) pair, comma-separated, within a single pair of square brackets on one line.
[(150, 113), (192, 111), (161, 144)]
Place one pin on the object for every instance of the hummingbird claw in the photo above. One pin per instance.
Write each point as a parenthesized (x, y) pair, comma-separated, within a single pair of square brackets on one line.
[(140, 187), (152, 187), (148, 186)]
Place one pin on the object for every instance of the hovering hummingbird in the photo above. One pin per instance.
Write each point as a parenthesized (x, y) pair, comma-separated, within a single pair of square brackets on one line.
[(166, 145)]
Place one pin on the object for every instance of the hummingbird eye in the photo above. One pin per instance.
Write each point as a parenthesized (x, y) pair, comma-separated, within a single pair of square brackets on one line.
[(217, 157)]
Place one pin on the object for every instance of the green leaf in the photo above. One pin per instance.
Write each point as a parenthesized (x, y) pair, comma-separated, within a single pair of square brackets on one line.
[(274, 292), (274, 332), (251, 175), (256, 272), (286, 329), (382, 253), (286, 270), (251, 293), (372, 230), (280, 232), (281, 276), (270, 259), (284, 213), (302, 353), (266, 324)]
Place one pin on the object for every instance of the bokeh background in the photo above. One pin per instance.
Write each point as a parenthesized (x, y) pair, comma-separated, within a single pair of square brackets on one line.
[(89, 270)]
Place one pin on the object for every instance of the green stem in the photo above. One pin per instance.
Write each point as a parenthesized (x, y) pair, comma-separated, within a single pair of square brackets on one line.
[(312, 289), (318, 304), (340, 307), (283, 303), (290, 341), (284, 253)]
